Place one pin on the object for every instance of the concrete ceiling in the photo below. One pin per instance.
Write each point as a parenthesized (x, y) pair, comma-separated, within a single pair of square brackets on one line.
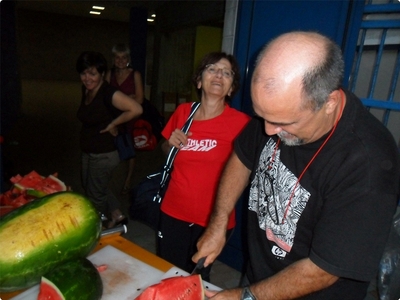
[(117, 10), (204, 12)]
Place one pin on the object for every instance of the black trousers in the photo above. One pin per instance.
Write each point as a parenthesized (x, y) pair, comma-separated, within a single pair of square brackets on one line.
[(176, 243)]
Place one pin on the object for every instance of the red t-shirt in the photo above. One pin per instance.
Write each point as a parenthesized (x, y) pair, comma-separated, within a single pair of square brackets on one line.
[(197, 167)]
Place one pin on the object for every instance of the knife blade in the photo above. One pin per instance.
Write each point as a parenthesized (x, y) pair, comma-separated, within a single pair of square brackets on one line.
[(199, 266)]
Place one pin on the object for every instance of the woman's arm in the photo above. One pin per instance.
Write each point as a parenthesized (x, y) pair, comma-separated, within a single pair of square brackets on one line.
[(130, 109)]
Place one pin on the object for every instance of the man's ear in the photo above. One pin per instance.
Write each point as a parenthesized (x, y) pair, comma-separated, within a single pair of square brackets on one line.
[(334, 101)]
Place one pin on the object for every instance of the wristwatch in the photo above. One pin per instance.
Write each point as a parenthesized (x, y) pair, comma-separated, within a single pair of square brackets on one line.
[(247, 294)]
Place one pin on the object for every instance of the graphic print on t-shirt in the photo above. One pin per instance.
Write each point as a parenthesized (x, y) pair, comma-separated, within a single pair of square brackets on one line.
[(200, 145), (270, 193)]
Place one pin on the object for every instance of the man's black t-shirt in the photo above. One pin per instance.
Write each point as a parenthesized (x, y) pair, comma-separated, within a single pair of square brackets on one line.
[(338, 215)]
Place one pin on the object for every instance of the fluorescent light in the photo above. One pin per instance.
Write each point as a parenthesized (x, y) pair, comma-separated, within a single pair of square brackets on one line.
[(154, 15), (98, 7), (150, 20), (95, 12)]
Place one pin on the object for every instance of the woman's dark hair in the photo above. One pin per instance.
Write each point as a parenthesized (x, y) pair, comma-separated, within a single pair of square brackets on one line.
[(212, 58), (89, 59)]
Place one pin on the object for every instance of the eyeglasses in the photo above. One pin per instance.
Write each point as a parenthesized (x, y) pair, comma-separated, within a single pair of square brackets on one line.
[(271, 198), (213, 69)]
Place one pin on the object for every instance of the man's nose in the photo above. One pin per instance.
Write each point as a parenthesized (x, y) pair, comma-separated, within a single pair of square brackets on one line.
[(271, 129)]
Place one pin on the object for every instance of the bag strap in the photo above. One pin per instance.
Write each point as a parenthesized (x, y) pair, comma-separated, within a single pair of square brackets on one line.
[(172, 153)]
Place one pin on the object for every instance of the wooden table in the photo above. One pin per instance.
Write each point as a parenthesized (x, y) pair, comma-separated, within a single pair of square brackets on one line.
[(124, 245)]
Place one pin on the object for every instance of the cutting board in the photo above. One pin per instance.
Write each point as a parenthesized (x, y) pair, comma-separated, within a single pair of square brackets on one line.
[(124, 278)]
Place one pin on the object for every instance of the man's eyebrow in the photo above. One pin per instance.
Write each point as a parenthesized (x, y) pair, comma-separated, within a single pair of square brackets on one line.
[(273, 123), (279, 123)]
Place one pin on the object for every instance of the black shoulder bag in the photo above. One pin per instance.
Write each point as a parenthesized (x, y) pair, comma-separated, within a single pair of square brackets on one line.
[(147, 195)]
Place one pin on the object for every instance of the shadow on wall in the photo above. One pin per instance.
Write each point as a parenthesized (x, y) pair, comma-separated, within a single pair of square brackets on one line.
[(45, 137)]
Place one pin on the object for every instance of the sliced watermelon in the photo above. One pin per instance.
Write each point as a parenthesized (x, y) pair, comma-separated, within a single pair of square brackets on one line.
[(50, 185), (174, 288), (49, 291), (28, 181), (6, 209), (29, 187), (16, 178), (73, 280)]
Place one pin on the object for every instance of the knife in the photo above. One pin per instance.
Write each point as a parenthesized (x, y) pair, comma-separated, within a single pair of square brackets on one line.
[(199, 266)]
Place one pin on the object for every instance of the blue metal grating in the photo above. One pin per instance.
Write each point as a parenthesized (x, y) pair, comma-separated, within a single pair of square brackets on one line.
[(389, 20)]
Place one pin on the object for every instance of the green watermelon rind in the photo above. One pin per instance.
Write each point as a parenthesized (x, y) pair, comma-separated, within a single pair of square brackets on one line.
[(35, 193), (75, 279), (28, 271)]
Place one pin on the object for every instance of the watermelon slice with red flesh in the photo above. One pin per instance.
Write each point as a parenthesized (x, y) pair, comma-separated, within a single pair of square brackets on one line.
[(47, 186), (27, 188), (16, 178), (48, 291), (174, 288), (28, 181), (75, 279)]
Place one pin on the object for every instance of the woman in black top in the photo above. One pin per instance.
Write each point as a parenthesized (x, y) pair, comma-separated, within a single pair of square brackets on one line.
[(102, 109)]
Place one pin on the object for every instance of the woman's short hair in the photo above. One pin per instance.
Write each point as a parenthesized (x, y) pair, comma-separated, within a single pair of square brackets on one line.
[(90, 59), (121, 48), (212, 58)]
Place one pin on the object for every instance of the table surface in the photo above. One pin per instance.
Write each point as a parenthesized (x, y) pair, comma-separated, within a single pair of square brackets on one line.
[(125, 246)]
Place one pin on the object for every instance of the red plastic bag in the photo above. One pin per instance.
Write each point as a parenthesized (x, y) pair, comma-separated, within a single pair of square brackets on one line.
[(143, 136)]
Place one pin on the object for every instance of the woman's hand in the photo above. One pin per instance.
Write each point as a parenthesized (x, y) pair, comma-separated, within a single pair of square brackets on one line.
[(111, 128), (178, 139)]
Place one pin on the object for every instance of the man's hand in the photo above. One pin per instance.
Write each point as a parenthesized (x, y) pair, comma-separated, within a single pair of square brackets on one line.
[(210, 245)]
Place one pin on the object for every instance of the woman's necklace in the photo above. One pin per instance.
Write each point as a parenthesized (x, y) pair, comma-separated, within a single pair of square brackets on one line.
[(121, 75), (312, 159)]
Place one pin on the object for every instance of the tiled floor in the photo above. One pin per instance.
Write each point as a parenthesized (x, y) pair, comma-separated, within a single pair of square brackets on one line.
[(45, 139)]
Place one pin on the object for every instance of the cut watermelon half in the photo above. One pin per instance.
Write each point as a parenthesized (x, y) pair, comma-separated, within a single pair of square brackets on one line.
[(49, 291), (174, 288), (74, 280)]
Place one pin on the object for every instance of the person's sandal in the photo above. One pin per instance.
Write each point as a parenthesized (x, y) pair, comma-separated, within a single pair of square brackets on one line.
[(117, 218)]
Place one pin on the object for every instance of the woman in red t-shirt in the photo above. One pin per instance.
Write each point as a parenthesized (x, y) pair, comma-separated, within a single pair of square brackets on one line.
[(188, 201)]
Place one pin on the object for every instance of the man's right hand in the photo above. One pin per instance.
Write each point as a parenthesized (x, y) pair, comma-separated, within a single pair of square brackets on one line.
[(210, 245)]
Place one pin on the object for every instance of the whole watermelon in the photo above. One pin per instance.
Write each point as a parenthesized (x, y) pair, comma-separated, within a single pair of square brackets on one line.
[(44, 233)]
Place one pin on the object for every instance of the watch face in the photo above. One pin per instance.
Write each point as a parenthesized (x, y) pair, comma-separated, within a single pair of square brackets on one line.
[(247, 295)]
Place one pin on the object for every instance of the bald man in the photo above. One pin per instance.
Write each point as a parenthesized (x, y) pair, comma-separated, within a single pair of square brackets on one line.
[(323, 175)]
